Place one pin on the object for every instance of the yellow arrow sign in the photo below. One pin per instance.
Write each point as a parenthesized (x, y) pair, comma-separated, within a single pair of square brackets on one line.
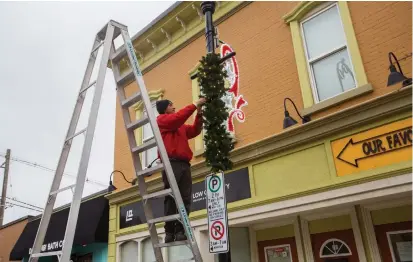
[(373, 148)]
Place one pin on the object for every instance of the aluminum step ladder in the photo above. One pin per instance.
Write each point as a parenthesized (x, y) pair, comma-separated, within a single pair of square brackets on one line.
[(105, 38)]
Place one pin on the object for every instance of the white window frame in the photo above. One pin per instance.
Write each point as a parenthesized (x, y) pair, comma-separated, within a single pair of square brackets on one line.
[(389, 240), (334, 255), (144, 154), (278, 246), (324, 55)]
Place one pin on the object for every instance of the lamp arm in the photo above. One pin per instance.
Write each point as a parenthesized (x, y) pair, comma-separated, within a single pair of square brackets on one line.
[(285, 107), (110, 179), (397, 62)]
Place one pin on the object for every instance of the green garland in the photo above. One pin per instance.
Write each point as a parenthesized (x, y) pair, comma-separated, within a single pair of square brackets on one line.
[(218, 143)]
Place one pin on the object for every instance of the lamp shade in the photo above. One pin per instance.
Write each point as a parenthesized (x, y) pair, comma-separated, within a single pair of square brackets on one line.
[(288, 121), (111, 187), (395, 76)]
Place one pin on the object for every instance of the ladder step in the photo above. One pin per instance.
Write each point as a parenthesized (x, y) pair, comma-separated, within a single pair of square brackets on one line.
[(47, 254), (158, 194), (163, 219), (62, 189), (150, 171), (138, 123), (89, 86), (145, 146), (131, 100), (75, 135), (97, 47), (171, 244)]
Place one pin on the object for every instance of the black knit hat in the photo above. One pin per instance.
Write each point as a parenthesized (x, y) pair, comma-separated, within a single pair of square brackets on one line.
[(161, 105)]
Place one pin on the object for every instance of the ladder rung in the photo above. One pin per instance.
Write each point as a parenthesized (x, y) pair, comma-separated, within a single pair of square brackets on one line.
[(47, 254), (150, 171), (75, 135), (145, 146), (158, 194), (97, 47), (86, 88), (171, 244), (163, 219), (138, 123), (126, 78), (62, 189), (132, 100)]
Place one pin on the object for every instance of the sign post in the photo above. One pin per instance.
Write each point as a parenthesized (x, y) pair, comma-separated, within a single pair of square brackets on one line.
[(217, 214)]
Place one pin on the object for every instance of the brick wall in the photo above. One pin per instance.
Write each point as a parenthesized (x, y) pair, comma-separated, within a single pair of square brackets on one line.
[(268, 71), (8, 238)]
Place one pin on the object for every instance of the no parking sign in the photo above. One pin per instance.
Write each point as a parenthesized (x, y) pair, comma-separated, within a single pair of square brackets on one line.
[(217, 214)]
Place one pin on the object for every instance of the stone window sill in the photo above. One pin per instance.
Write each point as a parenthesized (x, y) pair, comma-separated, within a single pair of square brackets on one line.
[(362, 90)]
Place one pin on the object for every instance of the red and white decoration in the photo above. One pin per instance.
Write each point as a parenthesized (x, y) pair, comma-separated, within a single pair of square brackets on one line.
[(234, 100)]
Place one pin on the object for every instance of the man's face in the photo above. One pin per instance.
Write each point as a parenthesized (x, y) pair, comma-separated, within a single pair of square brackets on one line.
[(170, 109)]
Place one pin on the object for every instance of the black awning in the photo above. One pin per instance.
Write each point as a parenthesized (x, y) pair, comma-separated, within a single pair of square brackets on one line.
[(92, 226)]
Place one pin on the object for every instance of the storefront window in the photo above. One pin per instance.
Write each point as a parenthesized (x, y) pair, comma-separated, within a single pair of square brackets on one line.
[(280, 253), (334, 248), (400, 243), (129, 251)]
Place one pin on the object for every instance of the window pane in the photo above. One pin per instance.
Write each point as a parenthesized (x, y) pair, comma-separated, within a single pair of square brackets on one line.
[(147, 130), (333, 75), (179, 253), (129, 252), (151, 155), (147, 249), (323, 33)]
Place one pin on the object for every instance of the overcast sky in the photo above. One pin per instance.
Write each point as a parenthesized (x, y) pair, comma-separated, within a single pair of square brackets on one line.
[(44, 50)]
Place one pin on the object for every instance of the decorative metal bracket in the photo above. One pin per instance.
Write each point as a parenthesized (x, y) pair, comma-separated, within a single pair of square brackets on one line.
[(153, 44), (168, 36), (181, 22), (201, 16)]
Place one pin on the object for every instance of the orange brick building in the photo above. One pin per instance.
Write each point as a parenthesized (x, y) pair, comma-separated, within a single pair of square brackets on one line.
[(308, 185), (9, 234)]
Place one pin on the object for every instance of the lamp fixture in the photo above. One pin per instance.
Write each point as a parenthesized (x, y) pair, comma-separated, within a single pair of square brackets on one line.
[(397, 76), (111, 187), (288, 120)]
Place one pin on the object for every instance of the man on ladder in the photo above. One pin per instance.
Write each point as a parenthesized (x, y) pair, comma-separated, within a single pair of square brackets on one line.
[(175, 135)]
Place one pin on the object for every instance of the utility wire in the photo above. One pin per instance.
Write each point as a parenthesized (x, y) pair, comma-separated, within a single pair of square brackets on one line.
[(24, 203), (12, 205), (51, 170)]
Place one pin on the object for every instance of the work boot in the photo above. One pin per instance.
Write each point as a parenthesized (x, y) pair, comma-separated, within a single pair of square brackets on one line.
[(180, 236), (169, 237)]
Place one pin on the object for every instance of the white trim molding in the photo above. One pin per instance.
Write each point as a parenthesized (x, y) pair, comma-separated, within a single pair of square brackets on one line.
[(298, 242), (308, 249), (370, 234), (357, 235)]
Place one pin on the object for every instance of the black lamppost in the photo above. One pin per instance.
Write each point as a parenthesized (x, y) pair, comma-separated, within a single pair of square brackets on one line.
[(208, 9), (288, 120), (397, 76)]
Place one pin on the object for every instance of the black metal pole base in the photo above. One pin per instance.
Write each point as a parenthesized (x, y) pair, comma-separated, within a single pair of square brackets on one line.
[(224, 257), (208, 9)]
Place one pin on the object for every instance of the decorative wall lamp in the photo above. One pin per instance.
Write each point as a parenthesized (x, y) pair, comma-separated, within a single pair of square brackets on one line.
[(397, 76), (288, 120), (111, 187)]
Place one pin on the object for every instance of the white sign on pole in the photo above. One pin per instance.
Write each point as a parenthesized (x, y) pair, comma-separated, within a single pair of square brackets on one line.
[(217, 213)]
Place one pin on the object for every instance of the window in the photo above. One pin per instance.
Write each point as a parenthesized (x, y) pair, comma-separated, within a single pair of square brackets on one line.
[(151, 154), (327, 55), (334, 248), (129, 251), (147, 251), (400, 243)]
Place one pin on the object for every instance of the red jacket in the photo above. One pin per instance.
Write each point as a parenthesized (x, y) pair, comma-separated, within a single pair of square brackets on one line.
[(176, 134)]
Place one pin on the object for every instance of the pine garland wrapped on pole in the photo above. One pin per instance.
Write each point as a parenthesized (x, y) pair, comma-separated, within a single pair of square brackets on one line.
[(218, 143)]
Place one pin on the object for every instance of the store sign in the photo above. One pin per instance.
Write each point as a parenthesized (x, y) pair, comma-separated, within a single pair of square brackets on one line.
[(381, 146), (52, 246), (237, 187)]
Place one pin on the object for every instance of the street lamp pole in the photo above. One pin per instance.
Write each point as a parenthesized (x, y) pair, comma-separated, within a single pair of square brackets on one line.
[(208, 9)]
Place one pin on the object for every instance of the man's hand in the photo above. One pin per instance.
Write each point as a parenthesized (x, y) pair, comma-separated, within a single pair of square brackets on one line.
[(200, 102)]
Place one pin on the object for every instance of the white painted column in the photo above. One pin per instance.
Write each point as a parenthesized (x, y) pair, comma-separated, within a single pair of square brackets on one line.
[(357, 235), (308, 249), (371, 235), (298, 242), (253, 244)]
